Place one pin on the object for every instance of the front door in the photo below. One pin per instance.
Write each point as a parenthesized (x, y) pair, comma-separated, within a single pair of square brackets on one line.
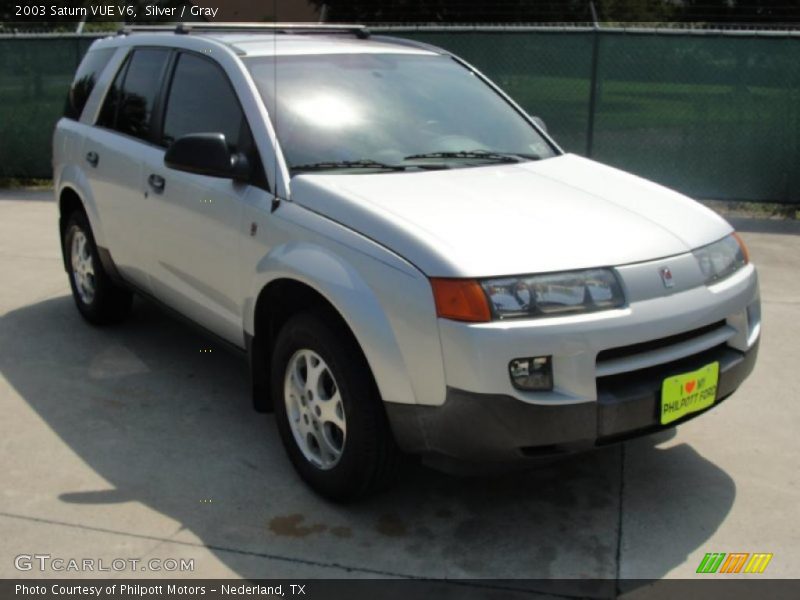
[(196, 227)]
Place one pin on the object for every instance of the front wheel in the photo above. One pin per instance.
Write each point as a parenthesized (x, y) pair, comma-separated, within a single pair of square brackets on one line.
[(328, 410)]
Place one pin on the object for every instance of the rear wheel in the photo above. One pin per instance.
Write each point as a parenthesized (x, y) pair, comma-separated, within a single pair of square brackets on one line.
[(99, 300), (328, 410)]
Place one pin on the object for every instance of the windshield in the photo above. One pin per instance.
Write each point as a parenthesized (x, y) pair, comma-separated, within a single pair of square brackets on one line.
[(389, 112)]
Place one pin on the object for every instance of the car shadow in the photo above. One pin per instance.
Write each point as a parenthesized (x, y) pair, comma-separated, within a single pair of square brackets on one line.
[(165, 418)]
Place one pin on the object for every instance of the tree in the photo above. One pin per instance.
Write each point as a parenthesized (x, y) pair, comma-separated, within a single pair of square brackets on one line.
[(456, 11), (786, 12), (69, 21)]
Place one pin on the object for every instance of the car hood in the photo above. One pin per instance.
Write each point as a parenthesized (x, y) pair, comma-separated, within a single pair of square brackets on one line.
[(556, 214)]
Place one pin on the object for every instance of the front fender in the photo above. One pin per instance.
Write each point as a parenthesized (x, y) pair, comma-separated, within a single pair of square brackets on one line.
[(342, 285)]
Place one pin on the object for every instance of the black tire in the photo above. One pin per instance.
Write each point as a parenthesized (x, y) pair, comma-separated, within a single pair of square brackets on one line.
[(369, 459), (109, 302)]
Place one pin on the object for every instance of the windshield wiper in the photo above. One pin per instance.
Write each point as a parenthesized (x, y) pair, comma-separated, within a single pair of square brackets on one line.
[(347, 164), (509, 157)]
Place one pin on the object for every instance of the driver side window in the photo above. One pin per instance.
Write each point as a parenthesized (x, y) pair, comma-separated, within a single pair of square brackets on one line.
[(202, 100)]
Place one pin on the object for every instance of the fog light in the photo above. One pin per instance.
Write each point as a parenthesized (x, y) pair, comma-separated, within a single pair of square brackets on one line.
[(532, 374)]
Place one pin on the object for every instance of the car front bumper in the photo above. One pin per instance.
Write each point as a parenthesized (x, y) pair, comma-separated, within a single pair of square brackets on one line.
[(484, 428), (608, 369)]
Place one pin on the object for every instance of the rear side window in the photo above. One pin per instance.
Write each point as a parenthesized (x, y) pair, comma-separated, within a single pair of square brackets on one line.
[(128, 107), (201, 100), (87, 75)]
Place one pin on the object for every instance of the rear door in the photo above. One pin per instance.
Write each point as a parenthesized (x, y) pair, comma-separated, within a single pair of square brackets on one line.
[(114, 151), (196, 221)]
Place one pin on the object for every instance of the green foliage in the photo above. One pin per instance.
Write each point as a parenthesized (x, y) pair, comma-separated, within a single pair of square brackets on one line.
[(68, 23), (625, 11), (549, 11), (14, 183)]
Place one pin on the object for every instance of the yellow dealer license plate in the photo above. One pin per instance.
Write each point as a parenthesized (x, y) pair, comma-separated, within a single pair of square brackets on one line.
[(687, 393)]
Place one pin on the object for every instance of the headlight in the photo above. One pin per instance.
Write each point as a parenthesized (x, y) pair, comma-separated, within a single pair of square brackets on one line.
[(721, 259), (554, 293)]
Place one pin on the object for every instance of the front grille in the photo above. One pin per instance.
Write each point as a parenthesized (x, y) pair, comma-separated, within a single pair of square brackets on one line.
[(645, 377), (640, 348)]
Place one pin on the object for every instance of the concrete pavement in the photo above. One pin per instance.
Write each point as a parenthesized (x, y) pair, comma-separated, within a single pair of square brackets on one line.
[(129, 442)]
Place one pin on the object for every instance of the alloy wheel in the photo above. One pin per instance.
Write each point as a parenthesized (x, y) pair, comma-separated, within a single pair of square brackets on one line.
[(314, 408), (83, 267)]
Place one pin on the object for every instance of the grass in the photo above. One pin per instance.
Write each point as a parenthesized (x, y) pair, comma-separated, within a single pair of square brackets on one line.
[(637, 104), (25, 183), (754, 210), (707, 140)]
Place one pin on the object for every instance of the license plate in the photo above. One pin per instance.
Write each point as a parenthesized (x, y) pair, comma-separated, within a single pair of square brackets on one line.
[(684, 394)]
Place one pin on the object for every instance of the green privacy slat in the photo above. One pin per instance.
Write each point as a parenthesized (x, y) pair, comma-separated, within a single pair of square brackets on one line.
[(34, 77), (714, 116)]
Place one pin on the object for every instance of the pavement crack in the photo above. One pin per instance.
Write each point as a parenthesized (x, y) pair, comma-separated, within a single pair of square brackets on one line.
[(304, 561), (29, 256), (619, 519), (215, 547)]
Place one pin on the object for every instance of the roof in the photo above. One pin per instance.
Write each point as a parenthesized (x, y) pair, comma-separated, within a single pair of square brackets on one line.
[(270, 44), (282, 39)]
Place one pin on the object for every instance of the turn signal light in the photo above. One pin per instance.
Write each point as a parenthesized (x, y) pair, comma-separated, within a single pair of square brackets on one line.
[(743, 246), (460, 300)]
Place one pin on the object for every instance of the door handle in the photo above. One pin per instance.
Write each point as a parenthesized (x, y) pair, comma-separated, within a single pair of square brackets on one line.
[(92, 158), (156, 182)]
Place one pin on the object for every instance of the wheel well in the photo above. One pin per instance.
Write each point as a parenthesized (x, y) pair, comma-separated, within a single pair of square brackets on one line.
[(277, 303), (68, 202)]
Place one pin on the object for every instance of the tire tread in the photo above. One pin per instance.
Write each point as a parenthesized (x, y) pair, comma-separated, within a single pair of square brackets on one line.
[(380, 457)]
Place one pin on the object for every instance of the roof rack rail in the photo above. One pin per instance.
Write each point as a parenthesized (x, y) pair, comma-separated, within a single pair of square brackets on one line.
[(360, 31)]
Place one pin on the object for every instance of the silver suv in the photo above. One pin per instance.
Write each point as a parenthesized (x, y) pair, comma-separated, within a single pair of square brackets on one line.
[(409, 261)]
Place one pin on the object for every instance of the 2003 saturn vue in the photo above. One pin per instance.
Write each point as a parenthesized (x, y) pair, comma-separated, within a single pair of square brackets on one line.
[(409, 260)]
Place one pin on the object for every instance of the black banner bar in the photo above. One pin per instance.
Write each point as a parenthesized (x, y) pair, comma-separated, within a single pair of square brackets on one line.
[(711, 588)]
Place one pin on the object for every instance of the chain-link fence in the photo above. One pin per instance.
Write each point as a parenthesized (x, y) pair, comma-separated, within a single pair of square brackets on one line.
[(715, 114), (35, 72)]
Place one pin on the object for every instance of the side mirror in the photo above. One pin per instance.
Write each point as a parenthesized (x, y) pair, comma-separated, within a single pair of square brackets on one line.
[(206, 154), (539, 123)]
